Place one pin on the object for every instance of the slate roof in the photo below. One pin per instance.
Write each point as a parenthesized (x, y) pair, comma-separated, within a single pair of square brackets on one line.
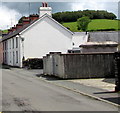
[(12, 34), (0, 33), (103, 36)]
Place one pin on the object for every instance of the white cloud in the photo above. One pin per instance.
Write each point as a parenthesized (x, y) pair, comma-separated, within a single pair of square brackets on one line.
[(8, 17), (87, 5), (59, 0)]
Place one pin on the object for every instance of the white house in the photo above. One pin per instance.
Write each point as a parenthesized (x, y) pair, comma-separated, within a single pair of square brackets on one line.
[(78, 39), (36, 37)]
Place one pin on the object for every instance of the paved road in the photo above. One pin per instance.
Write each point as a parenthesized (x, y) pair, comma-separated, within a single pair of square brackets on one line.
[(23, 91)]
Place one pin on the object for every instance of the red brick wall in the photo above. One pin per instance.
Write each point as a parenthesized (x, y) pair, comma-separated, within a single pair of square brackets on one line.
[(1, 53)]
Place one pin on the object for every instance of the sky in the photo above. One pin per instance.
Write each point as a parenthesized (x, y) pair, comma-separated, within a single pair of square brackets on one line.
[(11, 12)]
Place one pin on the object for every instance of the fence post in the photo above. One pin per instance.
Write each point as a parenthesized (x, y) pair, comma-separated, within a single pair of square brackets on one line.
[(117, 71)]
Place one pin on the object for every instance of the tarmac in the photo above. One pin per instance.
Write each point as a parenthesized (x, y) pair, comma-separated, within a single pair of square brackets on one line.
[(102, 89)]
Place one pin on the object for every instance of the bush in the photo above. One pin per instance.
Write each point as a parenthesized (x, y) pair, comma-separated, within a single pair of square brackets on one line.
[(34, 63)]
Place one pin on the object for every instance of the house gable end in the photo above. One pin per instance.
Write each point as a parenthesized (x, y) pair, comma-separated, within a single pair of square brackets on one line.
[(50, 21)]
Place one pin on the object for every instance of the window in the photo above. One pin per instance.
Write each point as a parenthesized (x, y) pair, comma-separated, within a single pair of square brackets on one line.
[(10, 44), (13, 42), (16, 56), (16, 42), (5, 58), (13, 58), (5, 45), (10, 57)]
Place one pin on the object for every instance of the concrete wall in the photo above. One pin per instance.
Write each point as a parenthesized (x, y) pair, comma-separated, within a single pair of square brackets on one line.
[(52, 65), (98, 49), (48, 65), (1, 52), (80, 65)]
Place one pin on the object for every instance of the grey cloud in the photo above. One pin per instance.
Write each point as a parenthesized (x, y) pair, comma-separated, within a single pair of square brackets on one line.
[(23, 8), (119, 10), (112, 7)]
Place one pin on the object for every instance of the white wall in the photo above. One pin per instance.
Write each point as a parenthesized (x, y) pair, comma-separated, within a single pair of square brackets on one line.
[(11, 55), (45, 10), (79, 38), (44, 37)]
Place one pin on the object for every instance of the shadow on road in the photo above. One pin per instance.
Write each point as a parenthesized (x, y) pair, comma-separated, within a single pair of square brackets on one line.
[(109, 80), (113, 99), (49, 77), (105, 92), (4, 67)]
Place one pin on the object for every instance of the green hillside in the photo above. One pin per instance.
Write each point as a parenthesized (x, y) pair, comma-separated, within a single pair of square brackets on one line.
[(5, 31), (96, 25)]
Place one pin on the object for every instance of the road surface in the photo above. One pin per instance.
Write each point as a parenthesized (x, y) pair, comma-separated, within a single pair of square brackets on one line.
[(22, 90)]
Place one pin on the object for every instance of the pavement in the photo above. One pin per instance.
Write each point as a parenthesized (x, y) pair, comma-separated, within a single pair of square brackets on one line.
[(101, 83), (102, 89)]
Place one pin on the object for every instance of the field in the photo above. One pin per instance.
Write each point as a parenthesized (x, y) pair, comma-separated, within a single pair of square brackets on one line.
[(5, 31), (96, 25)]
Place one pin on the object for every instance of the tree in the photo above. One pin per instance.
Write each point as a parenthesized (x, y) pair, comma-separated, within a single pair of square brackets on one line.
[(72, 16), (20, 20), (83, 22)]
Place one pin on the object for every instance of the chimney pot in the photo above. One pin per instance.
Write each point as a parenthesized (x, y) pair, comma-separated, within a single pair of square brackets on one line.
[(9, 30)]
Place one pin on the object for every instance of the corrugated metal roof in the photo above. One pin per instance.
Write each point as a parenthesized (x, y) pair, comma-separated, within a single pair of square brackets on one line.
[(103, 36)]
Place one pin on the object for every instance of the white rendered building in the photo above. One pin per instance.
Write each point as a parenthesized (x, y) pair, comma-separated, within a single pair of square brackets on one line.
[(37, 38)]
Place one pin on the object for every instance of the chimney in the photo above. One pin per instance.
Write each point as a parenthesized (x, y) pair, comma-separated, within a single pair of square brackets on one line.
[(46, 4), (9, 31), (33, 17), (45, 9), (43, 4), (25, 21), (13, 28), (19, 25)]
